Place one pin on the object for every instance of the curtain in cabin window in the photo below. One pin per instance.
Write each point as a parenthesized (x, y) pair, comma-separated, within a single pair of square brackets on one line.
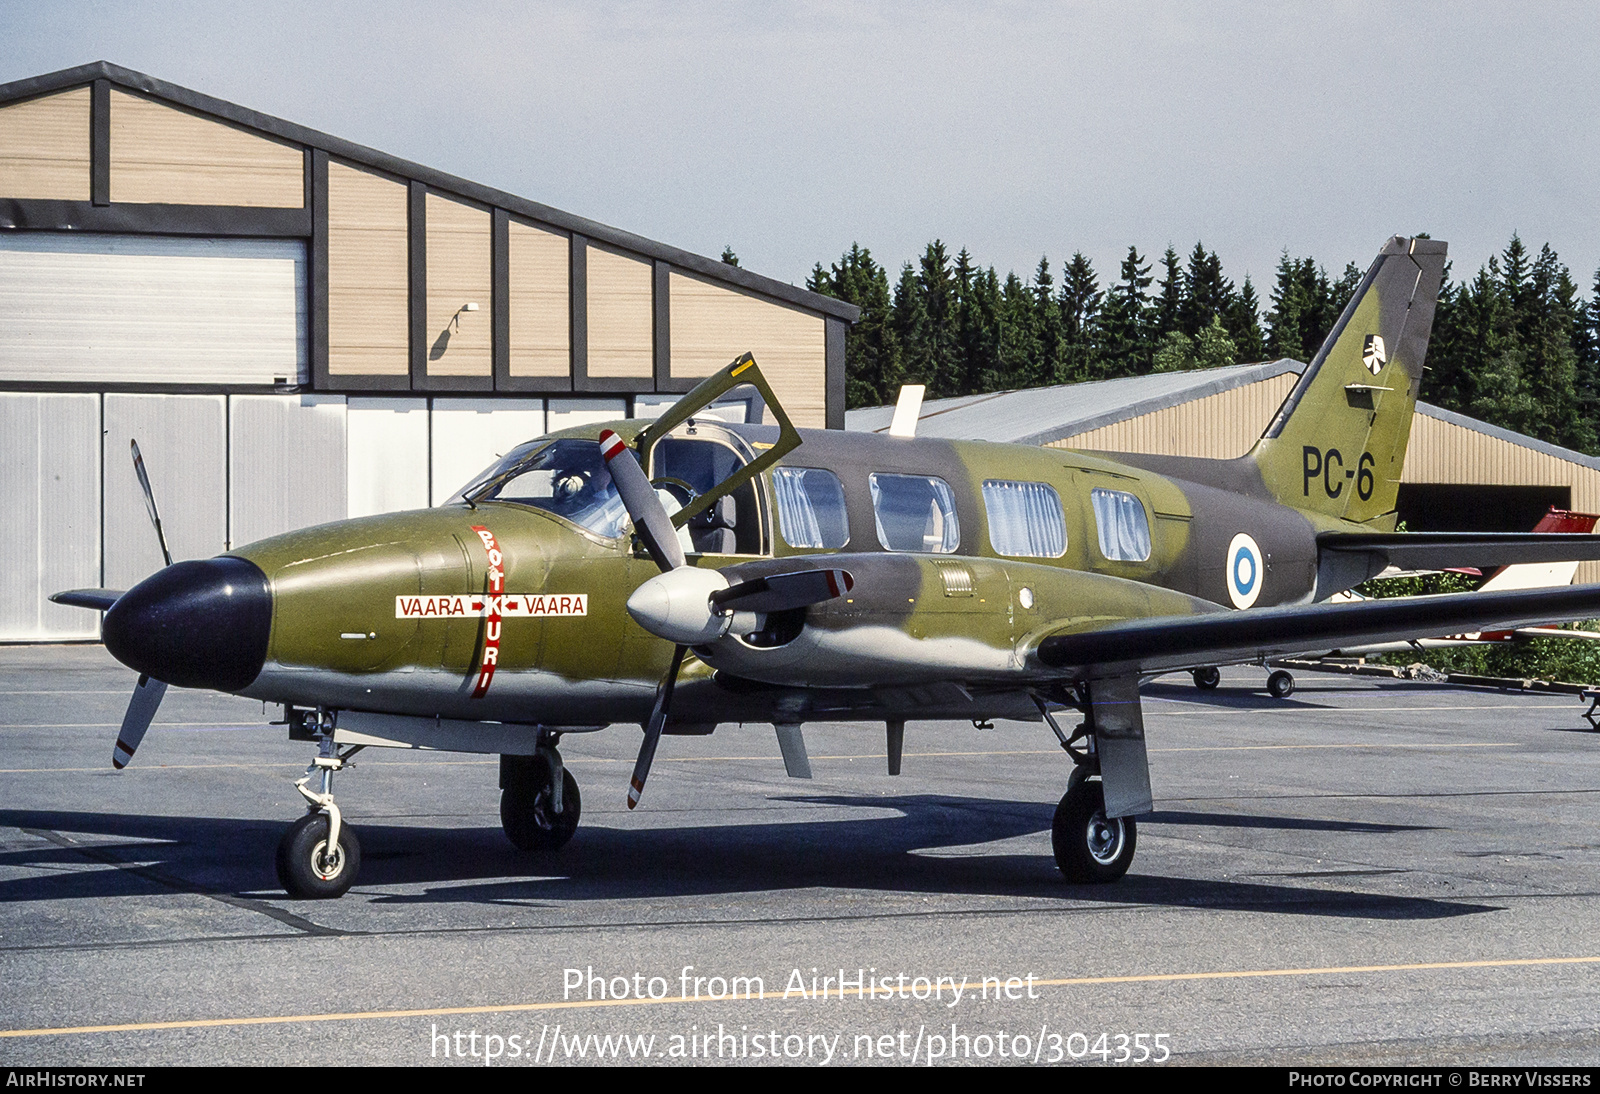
[(1025, 519), (1123, 526)]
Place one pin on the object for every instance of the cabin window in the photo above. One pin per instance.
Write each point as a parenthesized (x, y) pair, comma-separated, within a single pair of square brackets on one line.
[(915, 513), (1123, 526), (810, 507), (567, 478), (1025, 519)]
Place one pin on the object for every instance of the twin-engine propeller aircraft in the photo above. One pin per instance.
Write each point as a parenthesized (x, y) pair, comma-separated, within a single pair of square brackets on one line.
[(784, 576)]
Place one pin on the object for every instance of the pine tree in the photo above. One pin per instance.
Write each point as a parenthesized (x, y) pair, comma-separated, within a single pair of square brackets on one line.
[(1046, 326), (1208, 294), (1285, 320), (1078, 354), (873, 366), (935, 342), (1124, 322), (1243, 323), (1021, 348), (1168, 314)]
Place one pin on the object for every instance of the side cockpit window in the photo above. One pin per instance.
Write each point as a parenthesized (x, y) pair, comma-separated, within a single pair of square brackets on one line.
[(1025, 519), (810, 507), (915, 513), (1123, 525), (567, 478)]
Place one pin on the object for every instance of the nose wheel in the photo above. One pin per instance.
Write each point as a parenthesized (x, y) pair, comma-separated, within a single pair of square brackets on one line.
[(539, 801), (319, 856)]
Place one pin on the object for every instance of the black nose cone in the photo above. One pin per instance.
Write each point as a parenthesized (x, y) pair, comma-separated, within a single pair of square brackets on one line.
[(199, 624)]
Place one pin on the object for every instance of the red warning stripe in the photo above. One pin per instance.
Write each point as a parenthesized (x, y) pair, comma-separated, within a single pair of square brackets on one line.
[(491, 626), (611, 445)]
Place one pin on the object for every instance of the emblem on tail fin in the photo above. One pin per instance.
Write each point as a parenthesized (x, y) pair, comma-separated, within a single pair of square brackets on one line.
[(1373, 355)]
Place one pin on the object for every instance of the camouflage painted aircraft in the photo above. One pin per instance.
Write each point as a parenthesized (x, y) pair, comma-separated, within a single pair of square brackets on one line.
[(687, 572)]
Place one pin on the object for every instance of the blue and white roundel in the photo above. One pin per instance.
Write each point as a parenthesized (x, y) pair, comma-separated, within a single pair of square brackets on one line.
[(1244, 571)]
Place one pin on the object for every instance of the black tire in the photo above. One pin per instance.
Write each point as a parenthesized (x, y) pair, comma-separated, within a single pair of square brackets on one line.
[(1089, 848), (1207, 679), (303, 868), (525, 811), (1280, 685)]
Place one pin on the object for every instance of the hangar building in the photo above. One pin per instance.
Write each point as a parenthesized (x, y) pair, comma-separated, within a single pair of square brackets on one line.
[(298, 329), (1460, 474)]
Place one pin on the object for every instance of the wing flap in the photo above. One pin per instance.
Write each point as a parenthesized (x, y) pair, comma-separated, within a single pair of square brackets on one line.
[(1223, 637)]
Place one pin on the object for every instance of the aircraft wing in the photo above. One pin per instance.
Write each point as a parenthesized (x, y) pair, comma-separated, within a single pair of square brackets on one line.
[(1443, 550), (1165, 644)]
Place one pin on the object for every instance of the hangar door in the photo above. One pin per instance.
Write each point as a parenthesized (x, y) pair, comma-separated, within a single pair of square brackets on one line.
[(125, 309)]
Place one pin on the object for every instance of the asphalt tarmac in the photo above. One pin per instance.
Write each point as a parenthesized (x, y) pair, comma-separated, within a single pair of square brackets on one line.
[(1365, 873)]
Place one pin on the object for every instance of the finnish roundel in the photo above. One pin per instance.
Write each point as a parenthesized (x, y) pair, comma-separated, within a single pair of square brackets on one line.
[(1244, 571)]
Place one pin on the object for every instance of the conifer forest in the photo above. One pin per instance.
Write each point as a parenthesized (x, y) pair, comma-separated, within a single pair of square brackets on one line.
[(1515, 343)]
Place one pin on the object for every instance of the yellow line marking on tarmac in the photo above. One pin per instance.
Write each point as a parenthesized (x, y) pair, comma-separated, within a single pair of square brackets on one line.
[(570, 760), (590, 1004), (1291, 709)]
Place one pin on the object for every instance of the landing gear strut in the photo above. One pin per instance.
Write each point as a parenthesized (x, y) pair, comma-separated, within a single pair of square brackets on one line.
[(1089, 846), (539, 802), (319, 856)]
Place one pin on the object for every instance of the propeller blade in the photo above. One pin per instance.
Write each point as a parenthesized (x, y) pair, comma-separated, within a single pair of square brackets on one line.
[(98, 599), (149, 500), (650, 518), (141, 709), (780, 592), (652, 731)]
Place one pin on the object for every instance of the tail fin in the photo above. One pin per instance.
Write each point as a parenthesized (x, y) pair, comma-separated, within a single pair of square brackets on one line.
[(1338, 443)]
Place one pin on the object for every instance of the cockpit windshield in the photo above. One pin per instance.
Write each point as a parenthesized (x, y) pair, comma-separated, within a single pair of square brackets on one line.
[(565, 477)]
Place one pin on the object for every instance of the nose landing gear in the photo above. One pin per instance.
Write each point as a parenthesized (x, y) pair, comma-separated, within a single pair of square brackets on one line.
[(319, 856)]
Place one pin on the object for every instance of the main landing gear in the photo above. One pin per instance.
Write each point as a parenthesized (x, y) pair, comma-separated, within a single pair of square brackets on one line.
[(1089, 846), (319, 856), (539, 802)]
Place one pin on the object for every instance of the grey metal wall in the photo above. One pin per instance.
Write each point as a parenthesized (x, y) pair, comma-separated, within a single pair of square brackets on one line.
[(184, 439), (49, 513), (286, 462)]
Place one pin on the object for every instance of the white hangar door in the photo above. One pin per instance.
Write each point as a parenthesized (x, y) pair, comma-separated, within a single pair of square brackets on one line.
[(115, 310)]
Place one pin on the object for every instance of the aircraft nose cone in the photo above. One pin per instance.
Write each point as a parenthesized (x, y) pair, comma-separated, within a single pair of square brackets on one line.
[(198, 624)]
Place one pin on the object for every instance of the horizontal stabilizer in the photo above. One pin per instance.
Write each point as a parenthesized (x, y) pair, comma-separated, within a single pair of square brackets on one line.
[(1444, 550), (98, 599), (1231, 637)]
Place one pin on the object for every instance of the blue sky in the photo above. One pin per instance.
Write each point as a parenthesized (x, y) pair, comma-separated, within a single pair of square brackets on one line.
[(1014, 129)]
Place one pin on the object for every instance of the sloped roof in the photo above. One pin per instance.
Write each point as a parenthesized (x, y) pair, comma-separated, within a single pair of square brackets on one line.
[(382, 161), (1043, 414)]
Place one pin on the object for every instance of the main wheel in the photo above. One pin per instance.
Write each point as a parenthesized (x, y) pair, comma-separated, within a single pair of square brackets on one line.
[(306, 868), (526, 813), (1280, 685), (1090, 847), (1207, 679)]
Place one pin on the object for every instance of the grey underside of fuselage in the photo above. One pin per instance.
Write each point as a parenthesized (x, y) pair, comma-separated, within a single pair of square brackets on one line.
[(549, 699)]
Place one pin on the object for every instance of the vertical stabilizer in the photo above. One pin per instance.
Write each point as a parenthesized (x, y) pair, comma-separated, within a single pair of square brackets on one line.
[(1338, 443)]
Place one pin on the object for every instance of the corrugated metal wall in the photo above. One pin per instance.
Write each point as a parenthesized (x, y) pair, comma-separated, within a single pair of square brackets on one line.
[(1445, 452), (184, 440), (50, 501), (286, 464), (1219, 427), (386, 452)]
